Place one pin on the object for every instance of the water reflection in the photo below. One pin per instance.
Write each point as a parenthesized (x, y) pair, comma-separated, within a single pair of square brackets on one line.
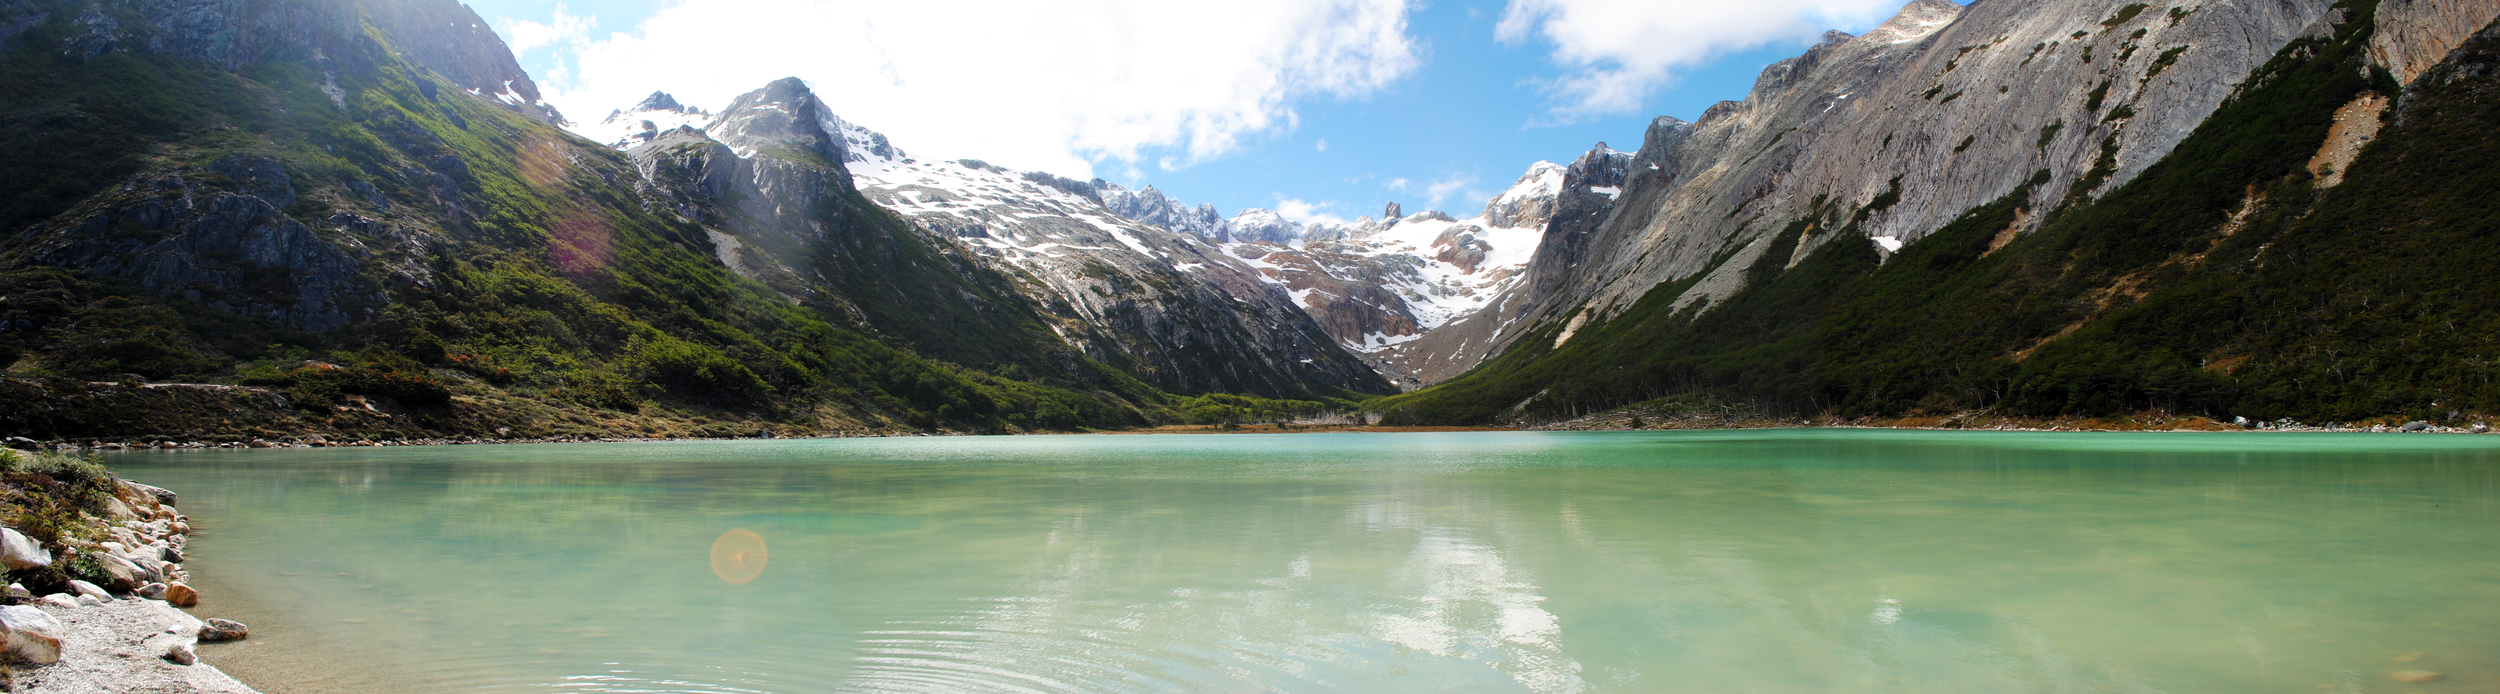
[(1768, 562)]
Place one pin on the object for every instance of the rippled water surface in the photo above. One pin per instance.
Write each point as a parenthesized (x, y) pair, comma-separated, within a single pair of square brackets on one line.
[(1768, 561)]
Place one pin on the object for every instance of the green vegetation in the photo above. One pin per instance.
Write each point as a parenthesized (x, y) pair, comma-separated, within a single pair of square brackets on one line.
[(2221, 281), (56, 500), (2124, 15)]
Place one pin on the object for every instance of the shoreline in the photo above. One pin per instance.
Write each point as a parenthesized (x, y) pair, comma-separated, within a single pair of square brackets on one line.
[(135, 631), (1612, 422)]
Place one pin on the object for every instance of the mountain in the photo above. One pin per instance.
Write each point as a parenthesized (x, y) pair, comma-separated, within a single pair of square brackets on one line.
[(1378, 287), (355, 219), (2049, 209), (1162, 304)]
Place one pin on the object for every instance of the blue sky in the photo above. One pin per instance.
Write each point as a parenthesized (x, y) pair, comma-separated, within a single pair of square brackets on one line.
[(1432, 105)]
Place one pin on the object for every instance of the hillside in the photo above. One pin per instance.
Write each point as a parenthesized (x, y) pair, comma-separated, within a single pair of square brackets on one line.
[(2279, 261), (356, 219)]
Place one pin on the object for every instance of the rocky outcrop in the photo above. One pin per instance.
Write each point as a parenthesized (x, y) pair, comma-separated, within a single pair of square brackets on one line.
[(236, 253), (2414, 35), (450, 39), (1152, 207), (1940, 110)]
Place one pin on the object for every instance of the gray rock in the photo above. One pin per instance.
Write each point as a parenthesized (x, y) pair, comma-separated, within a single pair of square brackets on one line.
[(30, 635), (2417, 426), (261, 177), (89, 590), (180, 653), (152, 591), (19, 552), (91, 601), (18, 592), (2479, 428), (60, 600), (162, 495), (24, 444), (224, 630), (168, 554)]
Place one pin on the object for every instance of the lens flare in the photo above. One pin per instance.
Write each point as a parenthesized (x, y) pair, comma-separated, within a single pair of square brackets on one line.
[(581, 244), (738, 556)]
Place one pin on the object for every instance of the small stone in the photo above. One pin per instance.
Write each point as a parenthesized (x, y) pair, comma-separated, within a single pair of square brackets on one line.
[(2415, 676), (90, 601), (224, 630), (181, 595), (168, 554), (30, 634), (152, 591), (181, 654), (60, 600), (19, 552), (86, 589)]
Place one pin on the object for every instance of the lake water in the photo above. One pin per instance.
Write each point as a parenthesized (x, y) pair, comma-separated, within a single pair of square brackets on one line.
[(1752, 561)]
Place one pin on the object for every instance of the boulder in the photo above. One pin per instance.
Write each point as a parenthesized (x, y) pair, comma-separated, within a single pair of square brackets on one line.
[(19, 552), (169, 555), (91, 590), (114, 509), (30, 635), (152, 591), (18, 591), (125, 575), (162, 495), (60, 600), (2479, 428), (24, 444), (181, 595), (224, 630), (2417, 426), (90, 601)]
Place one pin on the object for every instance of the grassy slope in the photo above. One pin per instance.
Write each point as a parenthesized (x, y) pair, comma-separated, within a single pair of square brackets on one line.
[(552, 285), (2369, 299)]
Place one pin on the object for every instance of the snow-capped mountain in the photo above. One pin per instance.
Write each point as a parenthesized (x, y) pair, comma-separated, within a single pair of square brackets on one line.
[(1169, 306), (1378, 285), (658, 113)]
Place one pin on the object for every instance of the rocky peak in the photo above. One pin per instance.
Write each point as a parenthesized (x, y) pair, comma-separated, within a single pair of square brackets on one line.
[(661, 101), (450, 39), (1256, 224), (1392, 213), (1529, 202), (1917, 20), (1152, 206)]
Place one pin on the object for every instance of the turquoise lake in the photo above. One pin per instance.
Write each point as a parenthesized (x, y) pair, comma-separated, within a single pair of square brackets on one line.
[(1743, 561)]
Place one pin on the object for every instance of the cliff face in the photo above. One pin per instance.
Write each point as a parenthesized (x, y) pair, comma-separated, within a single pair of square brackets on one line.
[(2414, 35)]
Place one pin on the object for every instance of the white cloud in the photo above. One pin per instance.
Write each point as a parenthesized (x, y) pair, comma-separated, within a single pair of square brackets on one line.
[(524, 35), (1323, 145), (1051, 86), (1307, 212), (1440, 190), (1616, 52)]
